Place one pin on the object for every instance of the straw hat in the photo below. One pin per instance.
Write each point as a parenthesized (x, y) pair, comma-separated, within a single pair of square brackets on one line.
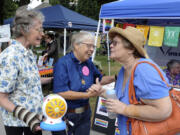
[(135, 36)]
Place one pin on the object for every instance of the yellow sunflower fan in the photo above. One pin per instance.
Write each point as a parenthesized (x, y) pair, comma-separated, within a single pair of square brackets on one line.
[(54, 108)]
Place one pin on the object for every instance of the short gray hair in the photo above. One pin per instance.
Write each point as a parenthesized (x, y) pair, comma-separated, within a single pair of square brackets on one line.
[(79, 37), (24, 19)]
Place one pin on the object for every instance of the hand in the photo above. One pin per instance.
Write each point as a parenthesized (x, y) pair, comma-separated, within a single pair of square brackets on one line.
[(30, 118), (116, 106), (46, 54), (37, 128), (96, 89), (45, 57), (46, 80), (176, 86)]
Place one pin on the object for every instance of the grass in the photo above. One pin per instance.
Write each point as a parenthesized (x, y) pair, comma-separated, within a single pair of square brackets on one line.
[(114, 66)]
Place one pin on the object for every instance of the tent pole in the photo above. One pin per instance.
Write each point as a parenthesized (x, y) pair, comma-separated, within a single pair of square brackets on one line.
[(108, 51), (64, 41), (97, 33)]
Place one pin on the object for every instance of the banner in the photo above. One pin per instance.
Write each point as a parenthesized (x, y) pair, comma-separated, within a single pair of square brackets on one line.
[(156, 36), (107, 25), (161, 55), (119, 25), (128, 24), (5, 33), (171, 36), (144, 29)]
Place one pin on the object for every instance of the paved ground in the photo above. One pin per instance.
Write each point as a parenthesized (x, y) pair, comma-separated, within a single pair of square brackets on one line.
[(2, 131)]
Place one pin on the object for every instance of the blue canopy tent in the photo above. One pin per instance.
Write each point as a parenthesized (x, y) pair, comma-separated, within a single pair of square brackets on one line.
[(60, 17), (138, 9), (146, 12)]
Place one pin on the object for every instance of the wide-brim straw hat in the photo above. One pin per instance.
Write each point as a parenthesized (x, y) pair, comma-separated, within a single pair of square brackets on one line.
[(133, 35)]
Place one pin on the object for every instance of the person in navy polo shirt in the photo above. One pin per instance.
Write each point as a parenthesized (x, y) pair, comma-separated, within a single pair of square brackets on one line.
[(76, 79)]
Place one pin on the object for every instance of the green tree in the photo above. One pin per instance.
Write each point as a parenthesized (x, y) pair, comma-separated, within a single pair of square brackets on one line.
[(101, 2), (54, 2), (88, 8), (23, 2), (8, 9), (1, 11), (91, 8), (64, 3)]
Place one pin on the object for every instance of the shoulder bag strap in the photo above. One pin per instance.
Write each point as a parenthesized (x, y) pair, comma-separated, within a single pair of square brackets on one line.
[(132, 95)]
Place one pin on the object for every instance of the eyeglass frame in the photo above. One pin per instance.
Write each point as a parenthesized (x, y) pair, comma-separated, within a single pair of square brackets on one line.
[(40, 30), (89, 45), (114, 43)]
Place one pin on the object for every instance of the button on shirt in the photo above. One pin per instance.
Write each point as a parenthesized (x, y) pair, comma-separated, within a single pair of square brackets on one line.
[(147, 84), (68, 75), (19, 77)]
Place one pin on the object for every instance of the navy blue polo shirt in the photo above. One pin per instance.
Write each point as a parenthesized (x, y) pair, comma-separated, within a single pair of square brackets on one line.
[(68, 75)]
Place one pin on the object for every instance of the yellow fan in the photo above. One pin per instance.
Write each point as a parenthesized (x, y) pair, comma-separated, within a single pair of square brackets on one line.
[(54, 108)]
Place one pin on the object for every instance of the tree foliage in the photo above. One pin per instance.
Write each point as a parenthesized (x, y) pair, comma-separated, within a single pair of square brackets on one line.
[(65, 3), (7, 9), (23, 2), (88, 8), (101, 2), (1, 11)]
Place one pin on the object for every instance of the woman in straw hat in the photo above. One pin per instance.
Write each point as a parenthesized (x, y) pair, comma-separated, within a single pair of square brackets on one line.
[(127, 48)]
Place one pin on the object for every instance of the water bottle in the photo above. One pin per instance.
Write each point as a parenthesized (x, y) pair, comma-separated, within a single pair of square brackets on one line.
[(111, 94)]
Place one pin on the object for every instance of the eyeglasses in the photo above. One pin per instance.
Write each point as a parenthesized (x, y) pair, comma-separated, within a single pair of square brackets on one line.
[(114, 43), (89, 46), (40, 30)]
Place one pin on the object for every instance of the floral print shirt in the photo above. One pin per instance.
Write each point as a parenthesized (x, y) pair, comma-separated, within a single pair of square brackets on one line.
[(19, 77)]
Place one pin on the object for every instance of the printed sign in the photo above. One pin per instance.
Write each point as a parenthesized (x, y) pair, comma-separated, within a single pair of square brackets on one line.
[(101, 122), (5, 33), (101, 108), (171, 36), (107, 25), (156, 36)]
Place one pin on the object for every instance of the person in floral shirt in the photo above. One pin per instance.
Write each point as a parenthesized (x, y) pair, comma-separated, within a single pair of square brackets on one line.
[(173, 73), (20, 83)]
